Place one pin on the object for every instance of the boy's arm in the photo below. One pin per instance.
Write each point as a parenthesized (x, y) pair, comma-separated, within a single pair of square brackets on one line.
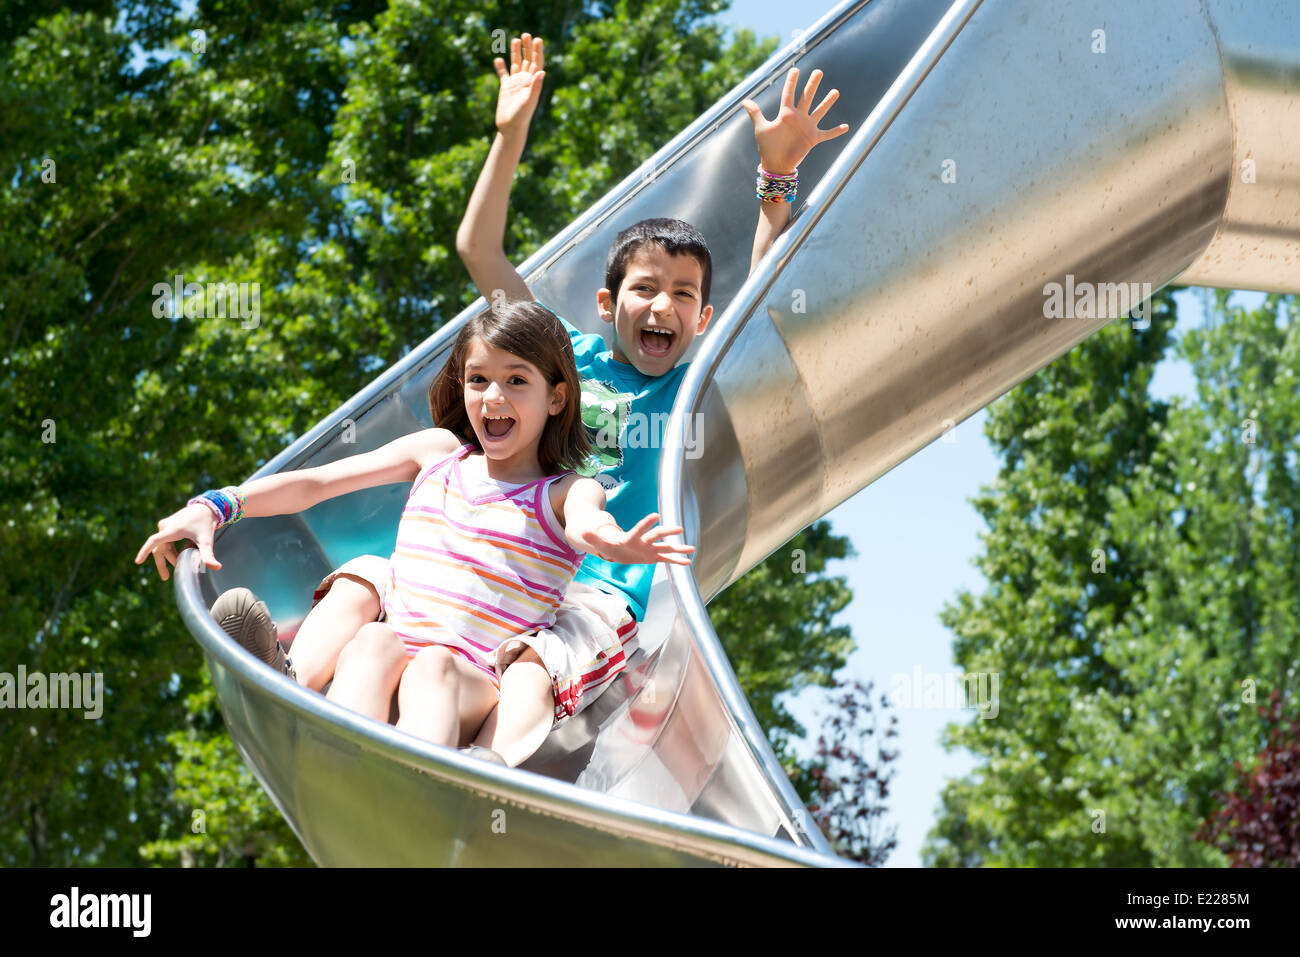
[(773, 218), (782, 145), (479, 240)]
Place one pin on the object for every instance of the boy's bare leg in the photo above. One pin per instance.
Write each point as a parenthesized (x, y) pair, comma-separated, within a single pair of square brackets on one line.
[(443, 698), (525, 714), (369, 669), (337, 618)]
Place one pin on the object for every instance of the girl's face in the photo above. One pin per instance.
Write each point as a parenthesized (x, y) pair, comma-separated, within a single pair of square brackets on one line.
[(508, 402)]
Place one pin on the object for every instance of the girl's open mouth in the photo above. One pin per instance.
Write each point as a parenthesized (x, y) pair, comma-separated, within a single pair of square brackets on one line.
[(497, 426), (656, 342)]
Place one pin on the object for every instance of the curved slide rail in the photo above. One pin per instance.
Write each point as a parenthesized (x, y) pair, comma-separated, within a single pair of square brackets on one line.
[(921, 301)]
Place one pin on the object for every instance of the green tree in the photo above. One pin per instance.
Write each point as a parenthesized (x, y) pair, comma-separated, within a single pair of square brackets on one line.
[(113, 187), (230, 821), (1141, 560)]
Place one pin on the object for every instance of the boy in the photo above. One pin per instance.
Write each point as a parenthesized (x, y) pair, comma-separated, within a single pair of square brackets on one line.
[(656, 299)]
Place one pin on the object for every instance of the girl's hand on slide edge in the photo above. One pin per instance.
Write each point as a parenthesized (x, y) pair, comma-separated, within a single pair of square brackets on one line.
[(641, 545), (521, 85), (194, 522), (785, 141)]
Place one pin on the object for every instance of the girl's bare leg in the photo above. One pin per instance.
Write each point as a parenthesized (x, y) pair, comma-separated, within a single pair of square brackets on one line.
[(525, 714), (370, 667), (443, 698), (337, 618)]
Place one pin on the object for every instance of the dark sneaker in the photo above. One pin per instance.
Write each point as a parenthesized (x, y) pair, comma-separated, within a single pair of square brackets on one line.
[(248, 621), (484, 754)]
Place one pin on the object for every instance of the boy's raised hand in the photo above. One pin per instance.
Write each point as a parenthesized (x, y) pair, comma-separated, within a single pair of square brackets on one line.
[(786, 140), (641, 545), (521, 85)]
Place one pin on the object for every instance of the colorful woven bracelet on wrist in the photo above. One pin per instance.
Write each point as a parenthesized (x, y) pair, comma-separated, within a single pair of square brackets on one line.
[(776, 187), (227, 504), (239, 498), (769, 193), (212, 507)]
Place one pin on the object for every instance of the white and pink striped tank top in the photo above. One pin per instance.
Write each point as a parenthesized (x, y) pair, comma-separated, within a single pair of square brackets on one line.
[(476, 562)]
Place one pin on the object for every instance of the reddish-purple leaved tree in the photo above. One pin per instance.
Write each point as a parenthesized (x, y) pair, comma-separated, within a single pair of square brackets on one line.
[(849, 805), (1261, 827)]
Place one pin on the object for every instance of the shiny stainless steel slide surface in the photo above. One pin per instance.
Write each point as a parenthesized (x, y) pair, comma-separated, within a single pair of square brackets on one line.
[(997, 147)]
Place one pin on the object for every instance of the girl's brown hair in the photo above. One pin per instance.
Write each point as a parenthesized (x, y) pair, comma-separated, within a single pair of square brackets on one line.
[(535, 334)]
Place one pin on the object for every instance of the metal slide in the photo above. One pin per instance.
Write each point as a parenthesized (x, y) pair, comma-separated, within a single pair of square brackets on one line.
[(996, 148)]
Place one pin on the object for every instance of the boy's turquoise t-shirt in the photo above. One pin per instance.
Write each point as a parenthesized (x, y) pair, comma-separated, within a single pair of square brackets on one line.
[(626, 414)]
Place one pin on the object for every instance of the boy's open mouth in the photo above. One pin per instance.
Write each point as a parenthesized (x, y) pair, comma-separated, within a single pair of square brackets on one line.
[(498, 426), (656, 342)]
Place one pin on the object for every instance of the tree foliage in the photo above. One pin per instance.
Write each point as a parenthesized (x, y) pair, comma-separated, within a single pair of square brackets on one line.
[(852, 785), (1141, 559), (777, 626), (1259, 824)]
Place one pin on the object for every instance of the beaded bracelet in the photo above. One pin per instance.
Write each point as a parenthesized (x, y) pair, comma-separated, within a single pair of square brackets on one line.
[(227, 504), (776, 187)]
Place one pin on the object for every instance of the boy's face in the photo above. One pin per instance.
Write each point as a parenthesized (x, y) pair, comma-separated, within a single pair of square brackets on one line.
[(658, 312)]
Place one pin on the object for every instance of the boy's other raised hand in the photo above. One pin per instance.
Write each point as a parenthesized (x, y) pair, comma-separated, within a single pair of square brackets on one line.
[(521, 85), (785, 141)]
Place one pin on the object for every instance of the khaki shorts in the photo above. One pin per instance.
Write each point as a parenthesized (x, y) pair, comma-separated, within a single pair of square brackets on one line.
[(587, 647)]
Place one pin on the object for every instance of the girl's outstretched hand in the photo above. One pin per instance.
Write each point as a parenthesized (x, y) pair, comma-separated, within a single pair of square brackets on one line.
[(521, 85), (642, 545), (786, 140), (194, 522)]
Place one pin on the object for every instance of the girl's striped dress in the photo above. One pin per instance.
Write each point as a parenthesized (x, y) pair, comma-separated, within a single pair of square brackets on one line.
[(476, 563)]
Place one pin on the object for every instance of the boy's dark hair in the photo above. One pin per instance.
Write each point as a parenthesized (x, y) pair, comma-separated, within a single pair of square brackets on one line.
[(533, 333), (675, 237)]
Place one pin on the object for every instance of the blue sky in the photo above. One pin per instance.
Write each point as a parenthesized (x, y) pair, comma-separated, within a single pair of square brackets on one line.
[(916, 535)]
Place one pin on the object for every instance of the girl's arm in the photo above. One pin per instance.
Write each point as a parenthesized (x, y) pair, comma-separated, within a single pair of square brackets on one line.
[(287, 492), (399, 461), (589, 528)]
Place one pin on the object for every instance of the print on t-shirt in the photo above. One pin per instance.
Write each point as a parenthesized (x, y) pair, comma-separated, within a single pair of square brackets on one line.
[(604, 413)]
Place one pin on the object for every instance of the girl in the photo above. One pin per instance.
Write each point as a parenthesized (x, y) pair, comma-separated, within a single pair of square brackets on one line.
[(492, 532)]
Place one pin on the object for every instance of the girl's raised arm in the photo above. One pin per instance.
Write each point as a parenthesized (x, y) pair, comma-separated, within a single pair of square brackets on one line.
[(288, 492), (589, 528)]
